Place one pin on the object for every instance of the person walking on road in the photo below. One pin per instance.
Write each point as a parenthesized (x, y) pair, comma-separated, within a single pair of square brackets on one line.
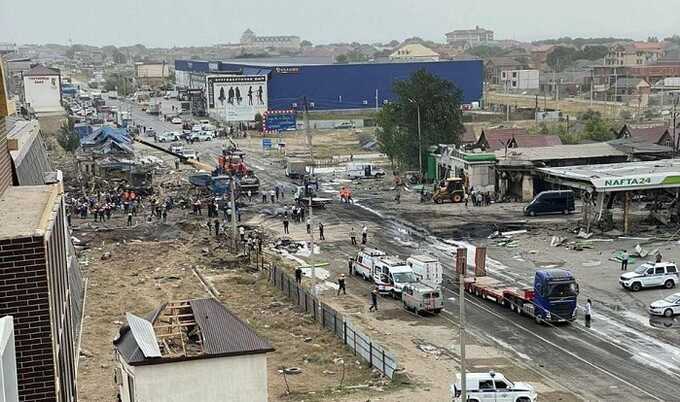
[(624, 260), (129, 220), (250, 196), (350, 266), (353, 236), (341, 285), (309, 226), (276, 192), (321, 237), (217, 227), (264, 197), (298, 275), (364, 234), (285, 225), (242, 233), (374, 300), (589, 312), (272, 196)]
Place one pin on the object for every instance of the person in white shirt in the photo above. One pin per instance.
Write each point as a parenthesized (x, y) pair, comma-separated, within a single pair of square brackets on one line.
[(589, 312)]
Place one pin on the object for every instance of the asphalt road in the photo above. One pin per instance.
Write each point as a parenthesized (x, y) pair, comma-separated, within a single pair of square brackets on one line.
[(613, 360)]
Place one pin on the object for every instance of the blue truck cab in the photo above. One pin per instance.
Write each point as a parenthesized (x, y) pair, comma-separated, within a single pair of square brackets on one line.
[(555, 294)]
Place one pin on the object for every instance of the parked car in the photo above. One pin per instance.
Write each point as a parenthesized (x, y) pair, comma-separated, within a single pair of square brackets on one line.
[(189, 154), (176, 120), (648, 275), (203, 136), (150, 132), (493, 387), (343, 125), (551, 202), (666, 307), (168, 136)]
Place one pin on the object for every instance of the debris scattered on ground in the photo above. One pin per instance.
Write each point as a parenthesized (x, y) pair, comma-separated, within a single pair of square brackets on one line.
[(582, 234), (639, 251), (591, 263), (557, 241)]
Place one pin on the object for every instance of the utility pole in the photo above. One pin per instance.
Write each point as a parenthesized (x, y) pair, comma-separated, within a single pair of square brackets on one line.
[(234, 233), (308, 133), (420, 143), (461, 267), (376, 99), (675, 125)]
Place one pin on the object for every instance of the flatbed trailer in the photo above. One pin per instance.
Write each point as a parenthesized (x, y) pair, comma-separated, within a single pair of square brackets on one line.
[(524, 301)]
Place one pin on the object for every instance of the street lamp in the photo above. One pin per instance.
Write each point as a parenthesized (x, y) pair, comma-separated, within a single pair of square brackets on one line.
[(420, 142), (675, 125)]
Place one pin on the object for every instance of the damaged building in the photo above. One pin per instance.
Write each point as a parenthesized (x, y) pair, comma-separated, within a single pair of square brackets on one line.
[(190, 350)]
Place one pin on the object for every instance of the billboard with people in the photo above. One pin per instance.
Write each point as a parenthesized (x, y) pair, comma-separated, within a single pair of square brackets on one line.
[(237, 97)]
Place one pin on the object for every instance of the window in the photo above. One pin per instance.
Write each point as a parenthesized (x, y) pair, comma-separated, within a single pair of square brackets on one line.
[(501, 385), (486, 385), (671, 269), (650, 271), (660, 270)]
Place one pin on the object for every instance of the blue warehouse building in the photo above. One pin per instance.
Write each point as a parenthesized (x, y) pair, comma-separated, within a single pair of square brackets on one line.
[(335, 86)]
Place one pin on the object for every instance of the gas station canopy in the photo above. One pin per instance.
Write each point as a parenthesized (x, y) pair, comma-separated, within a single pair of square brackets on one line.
[(647, 175)]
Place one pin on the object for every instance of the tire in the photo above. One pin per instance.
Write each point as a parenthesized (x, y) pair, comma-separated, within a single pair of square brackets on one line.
[(523, 399), (669, 284), (538, 320), (668, 313), (636, 286), (437, 201), (456, 198)]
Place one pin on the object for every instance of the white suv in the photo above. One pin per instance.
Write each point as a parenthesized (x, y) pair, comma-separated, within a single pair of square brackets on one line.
[(648, 275), (493, 387)]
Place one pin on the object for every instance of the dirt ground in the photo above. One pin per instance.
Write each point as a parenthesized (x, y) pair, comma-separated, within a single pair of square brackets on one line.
[(144, 271)]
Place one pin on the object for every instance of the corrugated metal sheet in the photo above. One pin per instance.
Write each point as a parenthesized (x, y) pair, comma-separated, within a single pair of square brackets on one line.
[(144, 335), (127, 346), (32, 163), (223, 332)]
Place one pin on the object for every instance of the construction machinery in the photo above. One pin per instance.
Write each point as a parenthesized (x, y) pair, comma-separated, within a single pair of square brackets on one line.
[(452, 189)]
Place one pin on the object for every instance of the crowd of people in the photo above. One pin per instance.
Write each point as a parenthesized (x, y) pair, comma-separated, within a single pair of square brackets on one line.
[(104, 205)]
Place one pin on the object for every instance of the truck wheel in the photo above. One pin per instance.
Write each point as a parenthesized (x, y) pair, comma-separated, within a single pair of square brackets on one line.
[(437, 201), (669, 284), (668, 313), (523, 400), (635, 286), (456, 198), (538, 320)]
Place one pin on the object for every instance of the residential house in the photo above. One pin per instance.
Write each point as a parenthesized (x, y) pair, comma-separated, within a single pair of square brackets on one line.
[(634, 91), (634, 54), (494, 67), (505, 138), (414, 52), (658, 134), (474, 36), (192, 350)]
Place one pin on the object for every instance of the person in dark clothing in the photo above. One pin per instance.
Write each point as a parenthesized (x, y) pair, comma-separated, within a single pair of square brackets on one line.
[(129, 219), (217, 227), (350, 266), (374, 300), (309, 225), (264, 197), (285, 225), (298, 275), (341, 285), (321, 231), (165, 215)]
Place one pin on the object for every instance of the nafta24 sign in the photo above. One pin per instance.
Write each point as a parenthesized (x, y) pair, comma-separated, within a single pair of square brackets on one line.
[(636, 182)]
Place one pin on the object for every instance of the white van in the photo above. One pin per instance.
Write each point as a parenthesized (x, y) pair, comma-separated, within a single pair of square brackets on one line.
[(364, 171), (391, 274), (363, 264), (419, 297), (428, 269), (493, 387)]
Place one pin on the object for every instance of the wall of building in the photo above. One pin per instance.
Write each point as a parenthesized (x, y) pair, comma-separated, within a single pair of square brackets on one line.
[(43, 93), (346, 86), (5, 158), (8, 364), (24, 294), (234, 379)]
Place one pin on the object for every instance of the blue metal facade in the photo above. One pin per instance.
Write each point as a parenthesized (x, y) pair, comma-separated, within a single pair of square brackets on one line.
[(345, 86)]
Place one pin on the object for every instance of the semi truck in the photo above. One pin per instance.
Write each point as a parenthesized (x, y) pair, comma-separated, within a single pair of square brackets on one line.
[(552, 298)]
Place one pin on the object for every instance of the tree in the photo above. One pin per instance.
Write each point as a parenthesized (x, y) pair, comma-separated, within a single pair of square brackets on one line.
[(67, 137), (653, 39), (484, 51), (561, 57), (440, 114), (118, 57), (353, 56)]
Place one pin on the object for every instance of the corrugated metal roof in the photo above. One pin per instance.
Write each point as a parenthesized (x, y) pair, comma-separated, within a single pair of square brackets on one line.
[(41, 70), (223, 332), (145, 336)]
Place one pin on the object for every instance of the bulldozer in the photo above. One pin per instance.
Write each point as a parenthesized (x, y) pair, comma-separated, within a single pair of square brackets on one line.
[(452, 189)]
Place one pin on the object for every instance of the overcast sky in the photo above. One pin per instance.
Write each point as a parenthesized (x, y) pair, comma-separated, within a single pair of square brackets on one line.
[(167, 23)]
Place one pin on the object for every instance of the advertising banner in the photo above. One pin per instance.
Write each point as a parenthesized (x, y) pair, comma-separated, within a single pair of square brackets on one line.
[(237, 97)]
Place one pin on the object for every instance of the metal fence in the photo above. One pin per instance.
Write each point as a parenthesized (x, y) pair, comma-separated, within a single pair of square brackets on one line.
[(362, 345)]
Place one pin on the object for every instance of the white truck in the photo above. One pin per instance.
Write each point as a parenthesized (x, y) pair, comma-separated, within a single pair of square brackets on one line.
[(482, 387), (363, 264), (364, 171), (391, 274), (428, 269)]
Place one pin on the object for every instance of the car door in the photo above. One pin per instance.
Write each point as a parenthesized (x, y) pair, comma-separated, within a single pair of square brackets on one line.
[(487, 392), (503, 394), (659, 276), (648, 279)]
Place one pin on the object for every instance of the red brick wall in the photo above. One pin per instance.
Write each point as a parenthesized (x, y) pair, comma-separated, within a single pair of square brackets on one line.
[(24, 295)]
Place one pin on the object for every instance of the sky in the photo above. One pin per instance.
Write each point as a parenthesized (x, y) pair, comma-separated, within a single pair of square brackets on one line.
[(167, 23)]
